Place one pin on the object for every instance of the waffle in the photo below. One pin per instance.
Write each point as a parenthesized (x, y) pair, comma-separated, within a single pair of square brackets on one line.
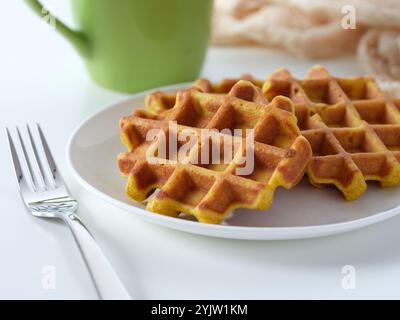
[(211, 191), (352, 126)]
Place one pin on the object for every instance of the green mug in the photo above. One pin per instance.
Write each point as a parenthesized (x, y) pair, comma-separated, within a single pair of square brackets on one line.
[(132, 45)]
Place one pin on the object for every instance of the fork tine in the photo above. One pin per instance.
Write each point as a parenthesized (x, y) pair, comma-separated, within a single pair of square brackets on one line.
[(29, 172), (36, 155), (19, 172), (48, 154), (14, 156)]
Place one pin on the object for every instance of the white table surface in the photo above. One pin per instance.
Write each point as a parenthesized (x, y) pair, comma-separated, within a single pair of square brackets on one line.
[(43, 80)]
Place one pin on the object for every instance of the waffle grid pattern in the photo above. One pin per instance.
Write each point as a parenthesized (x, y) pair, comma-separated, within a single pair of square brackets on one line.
[(352, 126), (210, 192)]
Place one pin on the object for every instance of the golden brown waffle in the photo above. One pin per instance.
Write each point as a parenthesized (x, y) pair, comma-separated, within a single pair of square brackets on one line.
[(160, 101), (210, 192), (352, 126)]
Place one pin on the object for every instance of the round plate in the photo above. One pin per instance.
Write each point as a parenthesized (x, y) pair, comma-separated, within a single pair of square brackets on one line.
[(302, 212)]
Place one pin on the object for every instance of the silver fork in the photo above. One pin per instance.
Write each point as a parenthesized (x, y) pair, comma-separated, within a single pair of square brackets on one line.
[(45, 195)]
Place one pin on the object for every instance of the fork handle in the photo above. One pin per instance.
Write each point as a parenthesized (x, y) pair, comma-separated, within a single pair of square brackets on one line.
[(106, 281)]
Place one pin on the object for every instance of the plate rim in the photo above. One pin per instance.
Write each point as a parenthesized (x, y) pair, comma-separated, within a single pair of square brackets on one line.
[(194, 227)]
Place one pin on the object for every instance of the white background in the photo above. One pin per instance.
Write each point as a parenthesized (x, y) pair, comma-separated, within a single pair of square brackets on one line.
[(43, 80)]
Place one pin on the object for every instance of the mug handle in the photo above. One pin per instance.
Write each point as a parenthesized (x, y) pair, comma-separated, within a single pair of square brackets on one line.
[(77, 38)]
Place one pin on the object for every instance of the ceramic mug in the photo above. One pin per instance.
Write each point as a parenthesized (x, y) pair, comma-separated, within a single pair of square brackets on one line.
[(131, 45)]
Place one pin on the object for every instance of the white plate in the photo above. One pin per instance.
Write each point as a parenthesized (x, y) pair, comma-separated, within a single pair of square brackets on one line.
[(302, 212)]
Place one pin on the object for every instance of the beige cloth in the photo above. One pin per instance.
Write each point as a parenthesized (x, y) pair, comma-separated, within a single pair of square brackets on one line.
[(313, 29)]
